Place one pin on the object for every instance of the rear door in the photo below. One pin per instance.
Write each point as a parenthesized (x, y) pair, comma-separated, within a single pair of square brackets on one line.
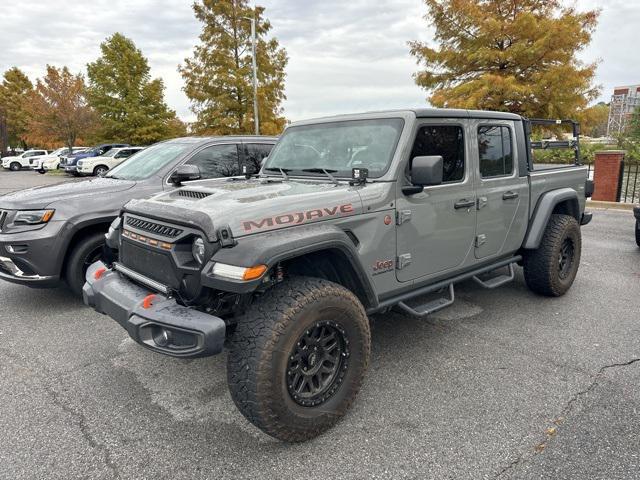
[(502, 192), (436, 228)]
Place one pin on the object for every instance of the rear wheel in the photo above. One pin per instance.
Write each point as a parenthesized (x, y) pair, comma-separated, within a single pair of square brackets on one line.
[(551, 269), (638, 232), (87, 251), (298, 357), (15, 166)]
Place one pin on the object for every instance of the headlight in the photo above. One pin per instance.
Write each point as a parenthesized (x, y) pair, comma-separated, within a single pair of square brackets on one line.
[(33, 217), (80, 163), (198, 251), (238, 273)]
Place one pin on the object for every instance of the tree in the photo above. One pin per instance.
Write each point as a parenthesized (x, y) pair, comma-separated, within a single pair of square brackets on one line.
[(15, 91), (593, 120), (58, 110), (517, 56), (130, 104), (218, 78), (633, 131)]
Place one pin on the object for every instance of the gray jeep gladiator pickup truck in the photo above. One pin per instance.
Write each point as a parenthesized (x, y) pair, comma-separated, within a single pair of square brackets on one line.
[(349, 216)]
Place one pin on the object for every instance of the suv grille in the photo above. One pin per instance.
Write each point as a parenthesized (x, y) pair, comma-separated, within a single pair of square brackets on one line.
[(153, 227), (193, 194), (3, 218)]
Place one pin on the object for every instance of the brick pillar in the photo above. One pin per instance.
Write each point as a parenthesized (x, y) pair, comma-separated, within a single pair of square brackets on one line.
[(607, 176)]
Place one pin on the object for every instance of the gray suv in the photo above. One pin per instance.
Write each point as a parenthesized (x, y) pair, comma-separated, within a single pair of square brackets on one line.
[(52, 234), (350, 216)]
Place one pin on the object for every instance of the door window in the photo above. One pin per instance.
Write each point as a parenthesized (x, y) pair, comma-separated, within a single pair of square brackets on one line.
[(496, 155), (217, 161), (254, 153), (446, 141)]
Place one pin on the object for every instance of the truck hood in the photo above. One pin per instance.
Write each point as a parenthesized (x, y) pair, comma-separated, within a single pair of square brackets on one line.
[(41, 197), (254, 206)]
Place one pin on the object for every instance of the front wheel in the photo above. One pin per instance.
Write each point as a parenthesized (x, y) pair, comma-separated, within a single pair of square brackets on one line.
[(100, 170), (298, 358), (551, 269), (87, 251), (638, 232), (15, 166)]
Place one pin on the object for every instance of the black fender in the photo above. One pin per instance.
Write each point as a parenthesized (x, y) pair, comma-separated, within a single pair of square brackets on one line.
[(271, 248), (545, 207)]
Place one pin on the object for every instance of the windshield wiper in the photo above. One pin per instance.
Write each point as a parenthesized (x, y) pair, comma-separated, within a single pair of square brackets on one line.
[(326, 171), (283, 171)]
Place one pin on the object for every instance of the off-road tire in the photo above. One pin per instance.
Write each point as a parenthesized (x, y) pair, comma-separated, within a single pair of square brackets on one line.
[(15, 166), (638, 232), (542, 267), (262, 346), (84, 253), (98, 169)]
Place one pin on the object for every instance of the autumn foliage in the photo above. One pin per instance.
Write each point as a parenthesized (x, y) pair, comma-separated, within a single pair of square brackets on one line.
[(510, 55), (58, 111)]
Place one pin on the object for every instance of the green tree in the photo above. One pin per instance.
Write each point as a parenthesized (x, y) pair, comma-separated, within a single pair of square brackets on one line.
[(15, 91), (218, 78), (58, 111), (593, 120), (518, 56), (129, 102), (634, 126)]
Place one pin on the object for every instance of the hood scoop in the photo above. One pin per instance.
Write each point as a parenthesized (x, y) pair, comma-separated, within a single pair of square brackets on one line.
[(194, 194)]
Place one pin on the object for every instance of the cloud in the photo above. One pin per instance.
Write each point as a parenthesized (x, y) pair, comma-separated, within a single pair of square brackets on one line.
[(344, 56)]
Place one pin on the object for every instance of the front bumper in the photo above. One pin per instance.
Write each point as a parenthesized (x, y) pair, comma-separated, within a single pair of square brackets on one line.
[(11, 272), (154, 321), (70, 168)]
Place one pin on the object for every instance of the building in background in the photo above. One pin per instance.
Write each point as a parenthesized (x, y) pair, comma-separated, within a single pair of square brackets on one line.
[(624, 101)]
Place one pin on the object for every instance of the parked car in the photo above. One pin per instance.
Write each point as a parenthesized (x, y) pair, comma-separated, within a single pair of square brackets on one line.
[(52, 234), (21, 161), (636, 213), (52, 161), (100, 165), (351, 215), (69, 162)]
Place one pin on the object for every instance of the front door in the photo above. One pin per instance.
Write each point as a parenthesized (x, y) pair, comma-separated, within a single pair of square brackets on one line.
[(436, 228), (502, 193)]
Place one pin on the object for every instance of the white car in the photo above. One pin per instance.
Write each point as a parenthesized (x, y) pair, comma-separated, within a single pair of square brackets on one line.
[(18, 162), (102, 164), (52, 161)]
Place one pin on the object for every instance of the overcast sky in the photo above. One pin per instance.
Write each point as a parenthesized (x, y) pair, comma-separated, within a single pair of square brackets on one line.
[(344, 56)]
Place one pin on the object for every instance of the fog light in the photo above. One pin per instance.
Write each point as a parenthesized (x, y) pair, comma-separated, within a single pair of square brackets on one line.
[(198, 250), (162, 338)]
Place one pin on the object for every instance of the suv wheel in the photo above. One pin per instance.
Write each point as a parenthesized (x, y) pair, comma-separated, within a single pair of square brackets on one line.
[(15, 166), (298, 357), (551, 269), (87, 251), (100, 170), (638, 232)]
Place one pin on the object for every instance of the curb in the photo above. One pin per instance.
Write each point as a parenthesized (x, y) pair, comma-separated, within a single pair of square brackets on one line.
[(609, 205)]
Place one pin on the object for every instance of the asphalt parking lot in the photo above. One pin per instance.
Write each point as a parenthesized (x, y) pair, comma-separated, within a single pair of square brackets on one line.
[(504, 384)]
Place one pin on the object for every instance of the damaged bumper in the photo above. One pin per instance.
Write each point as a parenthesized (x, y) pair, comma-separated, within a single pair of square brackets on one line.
[(153, 320)]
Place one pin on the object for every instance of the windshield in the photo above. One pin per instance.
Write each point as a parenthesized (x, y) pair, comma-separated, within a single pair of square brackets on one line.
[(149, 161), (337, 147)]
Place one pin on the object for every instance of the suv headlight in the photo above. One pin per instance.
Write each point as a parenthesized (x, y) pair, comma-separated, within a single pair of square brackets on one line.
[(79, 163), (244, 274), (198, 250), (33, 217)]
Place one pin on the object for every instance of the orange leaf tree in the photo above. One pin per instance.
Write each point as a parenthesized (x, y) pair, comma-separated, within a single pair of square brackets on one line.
[(509, 55), (58, 110)]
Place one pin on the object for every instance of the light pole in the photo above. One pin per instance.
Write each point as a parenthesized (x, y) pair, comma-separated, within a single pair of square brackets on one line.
[(256, 119)]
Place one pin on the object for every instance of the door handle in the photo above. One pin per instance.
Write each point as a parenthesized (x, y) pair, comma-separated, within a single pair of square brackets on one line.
[(509, 195), (464, 203)]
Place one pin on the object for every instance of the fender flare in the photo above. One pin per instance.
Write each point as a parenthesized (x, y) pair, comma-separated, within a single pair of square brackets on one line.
[(543, 211), (270, 248)]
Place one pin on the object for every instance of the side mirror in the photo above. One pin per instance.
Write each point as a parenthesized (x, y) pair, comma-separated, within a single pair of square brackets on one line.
[(425, 171), (184, 173)]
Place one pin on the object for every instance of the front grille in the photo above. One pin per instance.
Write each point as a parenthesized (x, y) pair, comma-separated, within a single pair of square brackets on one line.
[(193, 194), (3, 218), (153, 227), (153, 264)]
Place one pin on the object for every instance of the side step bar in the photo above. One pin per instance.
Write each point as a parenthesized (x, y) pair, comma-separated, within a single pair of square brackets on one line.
[(498, 281), (440, 303), (430, 307)]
